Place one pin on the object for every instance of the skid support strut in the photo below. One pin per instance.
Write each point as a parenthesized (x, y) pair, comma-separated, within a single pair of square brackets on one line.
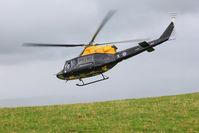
[(84, 84)]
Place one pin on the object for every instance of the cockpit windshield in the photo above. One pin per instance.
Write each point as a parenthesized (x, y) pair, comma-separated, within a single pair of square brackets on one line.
[(67, 66)]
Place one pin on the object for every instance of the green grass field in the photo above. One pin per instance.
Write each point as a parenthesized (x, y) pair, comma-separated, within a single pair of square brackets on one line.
[(160, 114)]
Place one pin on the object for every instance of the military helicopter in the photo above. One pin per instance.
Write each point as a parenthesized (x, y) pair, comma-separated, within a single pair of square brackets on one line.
[(96, 59)]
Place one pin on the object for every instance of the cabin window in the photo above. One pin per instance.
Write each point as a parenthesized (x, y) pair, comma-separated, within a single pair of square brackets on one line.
[(89, 59), (84, 60)]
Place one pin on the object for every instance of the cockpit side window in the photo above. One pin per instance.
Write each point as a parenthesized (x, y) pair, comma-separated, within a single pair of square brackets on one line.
[(73, 63), (89, 59)]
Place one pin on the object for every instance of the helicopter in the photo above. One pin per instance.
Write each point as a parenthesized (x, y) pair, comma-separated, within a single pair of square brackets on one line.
[(97, 59)]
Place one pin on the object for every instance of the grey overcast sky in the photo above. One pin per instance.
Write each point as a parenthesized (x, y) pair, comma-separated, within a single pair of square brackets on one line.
[(29, 72)]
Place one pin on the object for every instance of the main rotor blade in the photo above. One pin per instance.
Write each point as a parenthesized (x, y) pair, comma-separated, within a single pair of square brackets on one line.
[(126, 41), (105, 20), (52, 45)]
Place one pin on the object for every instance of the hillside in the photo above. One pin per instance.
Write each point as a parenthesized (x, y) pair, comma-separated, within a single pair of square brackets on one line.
[(160, 114)]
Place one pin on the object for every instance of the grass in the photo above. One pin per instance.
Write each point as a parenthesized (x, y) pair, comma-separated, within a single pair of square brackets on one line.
[(160, 114)]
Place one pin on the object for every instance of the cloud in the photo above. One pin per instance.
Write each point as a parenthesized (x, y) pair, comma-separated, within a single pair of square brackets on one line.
[(27, 72)]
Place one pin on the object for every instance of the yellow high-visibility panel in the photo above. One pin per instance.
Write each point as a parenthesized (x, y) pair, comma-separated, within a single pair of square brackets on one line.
[(97, 49)]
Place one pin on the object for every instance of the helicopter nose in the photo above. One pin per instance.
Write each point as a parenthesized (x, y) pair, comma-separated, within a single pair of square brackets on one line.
[(60, 75)]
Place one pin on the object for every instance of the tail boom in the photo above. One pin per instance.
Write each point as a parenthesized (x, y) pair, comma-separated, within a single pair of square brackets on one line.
[(146, 46)]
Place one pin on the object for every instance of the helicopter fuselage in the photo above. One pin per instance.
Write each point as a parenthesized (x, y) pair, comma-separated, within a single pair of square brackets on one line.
[(98, 63)]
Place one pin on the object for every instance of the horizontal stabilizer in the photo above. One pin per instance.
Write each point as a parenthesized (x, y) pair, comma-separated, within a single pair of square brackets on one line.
[(150, 49), (144, 44)]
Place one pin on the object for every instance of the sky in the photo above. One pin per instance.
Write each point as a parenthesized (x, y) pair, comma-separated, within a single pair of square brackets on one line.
[(28, 73)]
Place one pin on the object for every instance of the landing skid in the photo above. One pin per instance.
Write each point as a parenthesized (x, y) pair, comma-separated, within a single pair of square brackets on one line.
[(84, 84)]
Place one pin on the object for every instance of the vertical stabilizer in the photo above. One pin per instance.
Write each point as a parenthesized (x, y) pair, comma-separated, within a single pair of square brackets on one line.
[(167, 33)]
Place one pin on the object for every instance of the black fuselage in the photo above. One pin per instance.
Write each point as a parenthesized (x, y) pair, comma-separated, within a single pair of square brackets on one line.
[(97, 63)]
